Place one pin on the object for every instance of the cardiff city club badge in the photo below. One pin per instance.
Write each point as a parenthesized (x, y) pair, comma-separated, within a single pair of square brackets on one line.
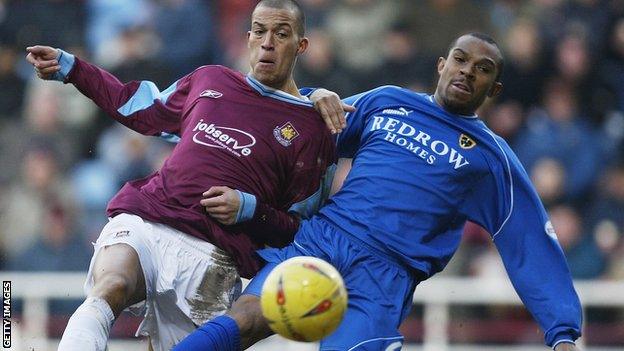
[(466, 142), (285, 134)]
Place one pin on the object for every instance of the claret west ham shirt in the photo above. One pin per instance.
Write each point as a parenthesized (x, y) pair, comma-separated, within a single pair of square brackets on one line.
[(231, 130)]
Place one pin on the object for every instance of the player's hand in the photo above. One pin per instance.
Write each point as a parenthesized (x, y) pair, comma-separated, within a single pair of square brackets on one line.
[(565, 346), (331, 108), (44, 59), (221, 203)]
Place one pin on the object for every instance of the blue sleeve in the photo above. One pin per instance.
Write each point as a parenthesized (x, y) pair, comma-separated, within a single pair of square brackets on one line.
[(66, 61), (305, 91), (528, 247), (312, 204), (348, 141)]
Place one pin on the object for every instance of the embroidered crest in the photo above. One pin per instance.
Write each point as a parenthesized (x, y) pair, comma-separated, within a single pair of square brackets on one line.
[(466, 142), (285, 134)]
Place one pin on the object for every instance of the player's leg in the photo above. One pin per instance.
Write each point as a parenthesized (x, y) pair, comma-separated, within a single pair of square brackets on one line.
[(115, 280), (118, 277), (196, 282), (118, 283), (247, 314), (242, 326), (380, 296), (244, 323)]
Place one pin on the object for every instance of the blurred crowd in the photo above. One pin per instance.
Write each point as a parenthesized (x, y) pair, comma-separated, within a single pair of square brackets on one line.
[(562, 109)]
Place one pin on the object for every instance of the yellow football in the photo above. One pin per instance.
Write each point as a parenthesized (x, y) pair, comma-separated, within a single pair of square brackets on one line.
[(304, 299)]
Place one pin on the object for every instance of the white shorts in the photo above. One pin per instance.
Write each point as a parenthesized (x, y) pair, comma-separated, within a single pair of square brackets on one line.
[(188, 280)]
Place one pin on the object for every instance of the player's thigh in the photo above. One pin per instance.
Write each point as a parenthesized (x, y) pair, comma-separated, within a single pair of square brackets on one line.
[(117, 267), (380, 297), (121, 264), (366, 326)]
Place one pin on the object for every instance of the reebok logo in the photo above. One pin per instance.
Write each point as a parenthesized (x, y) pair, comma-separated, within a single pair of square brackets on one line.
[(211, 94)]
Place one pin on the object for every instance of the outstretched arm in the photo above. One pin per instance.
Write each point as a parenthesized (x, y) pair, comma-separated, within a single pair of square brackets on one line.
[(528, 247), (138, 105)]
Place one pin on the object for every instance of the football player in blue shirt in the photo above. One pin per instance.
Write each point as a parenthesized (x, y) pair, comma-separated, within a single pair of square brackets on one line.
[(421, 166)]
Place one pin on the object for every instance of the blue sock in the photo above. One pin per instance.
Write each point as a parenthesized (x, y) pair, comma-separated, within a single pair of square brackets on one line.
[(219, 334)]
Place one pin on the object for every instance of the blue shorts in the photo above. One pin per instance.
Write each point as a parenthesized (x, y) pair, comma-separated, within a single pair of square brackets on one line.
[(380, 289)]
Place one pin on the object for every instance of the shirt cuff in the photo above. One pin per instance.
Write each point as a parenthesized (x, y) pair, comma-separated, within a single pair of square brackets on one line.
[(66, 61), (247, 206)]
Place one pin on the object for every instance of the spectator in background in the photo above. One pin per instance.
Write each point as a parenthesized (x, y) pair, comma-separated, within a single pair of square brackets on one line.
[(505, 119), (107, 19), (524, 69), (57, 248), (612, 71), (558, 130), (584, 258), (437, 22), (59, 22), (606, 219), (548, 176), (23, 209), (52, 115), (359, 28), (318, 67), (574, 67), (549, 18), (316, 12), (590, 16), (12, 93), (136, 53), (233, 13), (404, 63), (612, 81), (188, 29)]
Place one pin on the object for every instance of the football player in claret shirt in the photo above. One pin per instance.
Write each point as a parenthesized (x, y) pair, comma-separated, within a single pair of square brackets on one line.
[(252, 138), (420, 167)]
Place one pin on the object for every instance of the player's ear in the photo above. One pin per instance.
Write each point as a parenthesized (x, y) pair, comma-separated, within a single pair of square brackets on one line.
[(440, 64), (248, 37), (303, 45), (496, 89)]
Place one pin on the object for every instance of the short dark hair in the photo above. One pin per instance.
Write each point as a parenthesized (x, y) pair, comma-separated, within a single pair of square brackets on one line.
[(291, 5), (488, 39)]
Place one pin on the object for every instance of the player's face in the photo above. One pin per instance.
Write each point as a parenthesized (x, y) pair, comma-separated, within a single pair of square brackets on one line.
[(274, 45), (468, 75)]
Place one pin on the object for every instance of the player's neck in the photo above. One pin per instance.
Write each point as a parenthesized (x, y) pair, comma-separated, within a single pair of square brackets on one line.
[(440, 101), (289, 87)]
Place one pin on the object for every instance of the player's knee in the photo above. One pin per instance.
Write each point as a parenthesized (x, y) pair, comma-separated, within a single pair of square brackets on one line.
[(118, 277), (115, 289), (247, 313)]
